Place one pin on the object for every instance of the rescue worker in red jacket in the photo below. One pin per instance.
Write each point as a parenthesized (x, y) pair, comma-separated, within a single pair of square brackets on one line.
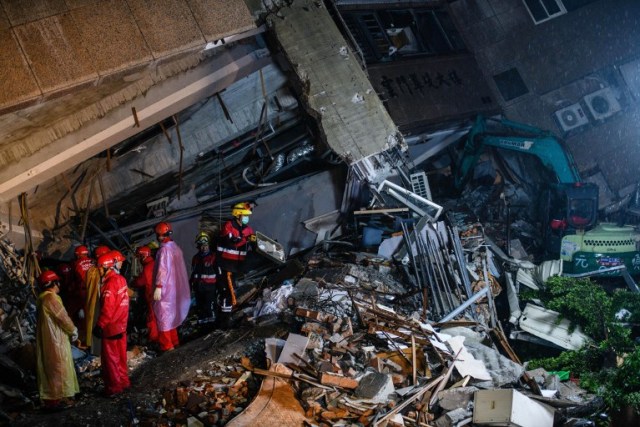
[(203, 279), (235, 238), (171, 293), (112, 324), (78, 295), (144, 281)]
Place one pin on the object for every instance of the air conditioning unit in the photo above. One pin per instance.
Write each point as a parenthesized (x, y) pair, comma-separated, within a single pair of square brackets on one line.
[(602, 103), (571, 117), (420, 184)]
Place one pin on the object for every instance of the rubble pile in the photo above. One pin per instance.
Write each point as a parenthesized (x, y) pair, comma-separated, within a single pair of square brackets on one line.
[(17, 311), (212, 397), (369, 350), (17, 335), (408, 336)]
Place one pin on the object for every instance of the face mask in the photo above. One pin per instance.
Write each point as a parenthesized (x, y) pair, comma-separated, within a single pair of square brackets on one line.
[(245, 220)]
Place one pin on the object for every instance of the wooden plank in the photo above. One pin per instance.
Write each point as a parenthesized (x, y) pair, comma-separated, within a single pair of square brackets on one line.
[(276, 403)]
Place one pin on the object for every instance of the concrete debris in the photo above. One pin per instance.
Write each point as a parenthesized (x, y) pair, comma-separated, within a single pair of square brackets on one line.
[(213, 397), (408, 335), (453, 418), (375, 387), (460, 397)]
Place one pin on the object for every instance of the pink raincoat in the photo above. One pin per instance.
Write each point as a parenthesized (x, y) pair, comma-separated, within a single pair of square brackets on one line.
[(171, 274)]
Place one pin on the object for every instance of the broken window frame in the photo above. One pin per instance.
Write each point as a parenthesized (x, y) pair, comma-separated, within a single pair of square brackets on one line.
[(541, 10), (372, 30), (565, 6)]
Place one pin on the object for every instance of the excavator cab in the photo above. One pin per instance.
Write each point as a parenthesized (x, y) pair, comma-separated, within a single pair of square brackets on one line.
[(582, 206), (568, 209)]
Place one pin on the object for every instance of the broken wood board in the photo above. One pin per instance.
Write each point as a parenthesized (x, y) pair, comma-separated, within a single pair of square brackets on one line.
[(275, 404)]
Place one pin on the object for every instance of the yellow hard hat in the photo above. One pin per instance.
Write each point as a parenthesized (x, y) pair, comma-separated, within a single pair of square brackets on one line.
[(202, 237), (241, 209)]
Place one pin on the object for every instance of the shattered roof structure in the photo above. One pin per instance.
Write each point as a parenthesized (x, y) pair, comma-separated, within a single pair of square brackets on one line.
[(121, 111)]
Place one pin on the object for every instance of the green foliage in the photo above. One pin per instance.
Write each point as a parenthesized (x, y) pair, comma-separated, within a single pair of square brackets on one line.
[(577, 362), (581, 301), (587, 304), (621, 387)]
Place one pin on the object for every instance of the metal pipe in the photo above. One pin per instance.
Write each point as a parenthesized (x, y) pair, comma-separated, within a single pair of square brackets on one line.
[(464, 306)]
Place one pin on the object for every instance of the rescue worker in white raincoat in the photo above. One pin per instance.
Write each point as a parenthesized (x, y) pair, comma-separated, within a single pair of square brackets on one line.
[(171, 295)]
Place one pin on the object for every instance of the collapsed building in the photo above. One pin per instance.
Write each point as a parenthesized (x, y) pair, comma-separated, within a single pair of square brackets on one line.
[(315, 111)]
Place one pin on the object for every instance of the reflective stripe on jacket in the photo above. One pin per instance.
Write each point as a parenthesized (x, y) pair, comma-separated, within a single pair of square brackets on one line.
[(227, 248), (204, 269)]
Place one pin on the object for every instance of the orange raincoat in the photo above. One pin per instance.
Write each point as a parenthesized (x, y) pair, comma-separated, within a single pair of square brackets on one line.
[(56, 373), (92, 307)]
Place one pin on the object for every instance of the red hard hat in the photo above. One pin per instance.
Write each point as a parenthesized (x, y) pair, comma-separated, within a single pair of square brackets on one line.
[(106, 261), (81, 250), (143, 251), (117, 256), (101, 250), (163, 228), (47, 277)]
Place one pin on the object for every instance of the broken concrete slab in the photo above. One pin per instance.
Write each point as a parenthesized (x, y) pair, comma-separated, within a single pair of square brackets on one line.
[(454, 398), (503, 371), (375, 387), (452, 418)]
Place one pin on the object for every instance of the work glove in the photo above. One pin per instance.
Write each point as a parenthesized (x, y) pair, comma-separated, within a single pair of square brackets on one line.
[(81, 314), (157, 294), (253, 238), (97, 331), (74, 335)]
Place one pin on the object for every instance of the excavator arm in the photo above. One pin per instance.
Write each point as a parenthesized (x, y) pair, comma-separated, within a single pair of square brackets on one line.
[(518, 137)]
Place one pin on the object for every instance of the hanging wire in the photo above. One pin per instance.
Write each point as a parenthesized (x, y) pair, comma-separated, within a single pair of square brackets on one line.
[(30, 267), (220, 188)]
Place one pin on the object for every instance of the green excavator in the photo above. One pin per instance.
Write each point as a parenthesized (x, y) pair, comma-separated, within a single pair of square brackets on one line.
[(570, 206)]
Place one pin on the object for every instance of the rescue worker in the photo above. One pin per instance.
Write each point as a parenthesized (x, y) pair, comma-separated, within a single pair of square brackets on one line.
[(171, 293), (91, 308), (111, 326), (203, 279), (78, 295), (57, 381), (235, 237), (145, 282)]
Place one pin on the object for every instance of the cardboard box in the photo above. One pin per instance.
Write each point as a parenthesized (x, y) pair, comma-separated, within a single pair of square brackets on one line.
[(508, 407)]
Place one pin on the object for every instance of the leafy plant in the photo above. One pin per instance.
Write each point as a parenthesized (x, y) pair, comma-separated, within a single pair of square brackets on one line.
[(586, 303), (624, 386)]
